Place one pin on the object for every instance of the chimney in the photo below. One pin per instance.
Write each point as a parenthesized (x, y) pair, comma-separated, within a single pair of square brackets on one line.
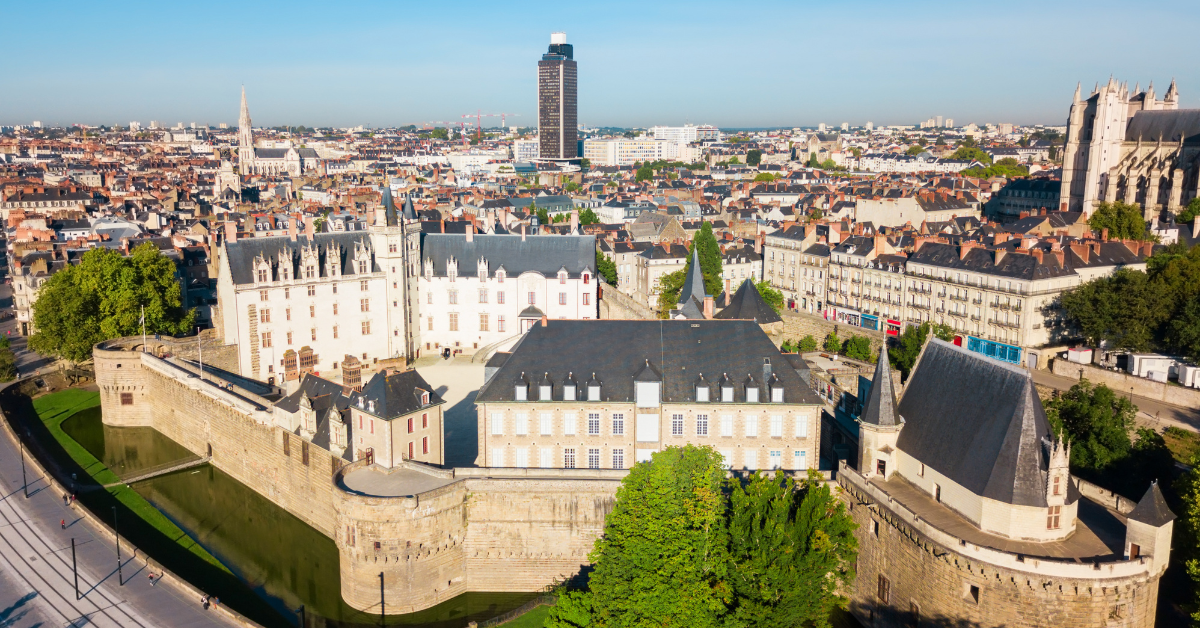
[(291, 222), (522, 232), (1104, 234), (309, 228), (574, 220), (728, 296), (230, 231), (880, 243), (1083, 251), (708, 306), (1037, 255), (1000, 253), (545, 320), (470, 232), (965, 248)]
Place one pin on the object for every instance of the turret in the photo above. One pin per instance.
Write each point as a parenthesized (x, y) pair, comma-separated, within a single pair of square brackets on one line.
[(1148, 529), (1058, 475), (1171, 100), (879, 424)]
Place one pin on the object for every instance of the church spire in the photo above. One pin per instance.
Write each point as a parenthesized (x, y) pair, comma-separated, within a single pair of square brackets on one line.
[(1078, 86), (244, 118)]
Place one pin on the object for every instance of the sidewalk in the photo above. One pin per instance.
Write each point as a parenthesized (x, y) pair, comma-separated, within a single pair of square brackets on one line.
[(35, 560)]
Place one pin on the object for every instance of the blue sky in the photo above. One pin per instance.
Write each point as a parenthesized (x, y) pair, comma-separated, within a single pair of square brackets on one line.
[(640, 63)]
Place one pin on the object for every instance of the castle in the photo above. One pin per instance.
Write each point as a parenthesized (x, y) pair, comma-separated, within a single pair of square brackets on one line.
[(966, 509), (1128, 146)]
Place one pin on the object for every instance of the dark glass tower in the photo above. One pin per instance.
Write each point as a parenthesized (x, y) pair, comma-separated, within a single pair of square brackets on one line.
[(558, 127)]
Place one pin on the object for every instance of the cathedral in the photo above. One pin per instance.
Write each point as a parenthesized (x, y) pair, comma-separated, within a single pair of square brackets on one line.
[(1128, 146), (263, 161)]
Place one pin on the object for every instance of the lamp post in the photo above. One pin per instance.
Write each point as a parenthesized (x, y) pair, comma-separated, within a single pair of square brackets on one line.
[(24, 481), (382, 608), (117, 530), (75, 568)]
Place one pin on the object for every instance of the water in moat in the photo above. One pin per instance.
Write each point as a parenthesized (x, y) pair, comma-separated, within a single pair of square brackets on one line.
[(283, 560)]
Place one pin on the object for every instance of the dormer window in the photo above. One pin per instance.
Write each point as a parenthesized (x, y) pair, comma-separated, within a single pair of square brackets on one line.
[(751, 391), (562, 277), (648, 394), (593, 389), (521, 388), (424, 398), (546, 389), (702, 390), (586, 278), (776, 390), (499, 276), (569, 386), (726, 390)]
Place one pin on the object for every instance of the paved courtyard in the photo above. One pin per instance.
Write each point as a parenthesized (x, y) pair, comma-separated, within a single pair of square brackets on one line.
[(457, 380)]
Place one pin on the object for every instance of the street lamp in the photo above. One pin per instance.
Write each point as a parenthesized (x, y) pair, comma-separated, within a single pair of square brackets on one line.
[(117, 531)]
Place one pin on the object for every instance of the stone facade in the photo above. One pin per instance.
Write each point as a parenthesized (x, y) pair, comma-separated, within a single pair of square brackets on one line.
[(907, 566)]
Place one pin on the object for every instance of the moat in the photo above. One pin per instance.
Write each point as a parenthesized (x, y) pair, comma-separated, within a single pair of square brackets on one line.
[(284, 561)]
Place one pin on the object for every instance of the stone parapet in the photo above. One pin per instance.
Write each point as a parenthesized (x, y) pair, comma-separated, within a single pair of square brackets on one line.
[(1124, 383)]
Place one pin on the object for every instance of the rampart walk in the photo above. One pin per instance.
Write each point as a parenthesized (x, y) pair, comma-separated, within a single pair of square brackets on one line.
[(478, 530)]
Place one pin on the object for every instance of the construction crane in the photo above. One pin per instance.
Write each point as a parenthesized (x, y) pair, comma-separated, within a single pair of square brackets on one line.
[(503, 123), (479, 120)]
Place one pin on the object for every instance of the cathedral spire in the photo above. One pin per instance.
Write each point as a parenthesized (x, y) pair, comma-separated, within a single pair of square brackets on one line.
[(244, 118), (1078, 86)]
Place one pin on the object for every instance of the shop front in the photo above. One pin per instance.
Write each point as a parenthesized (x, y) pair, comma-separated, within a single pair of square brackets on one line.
[(892, 327), (999, 351), (870, 322)]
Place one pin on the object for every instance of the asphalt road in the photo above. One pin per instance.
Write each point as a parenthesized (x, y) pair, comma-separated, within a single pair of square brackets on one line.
[(1151, 413)]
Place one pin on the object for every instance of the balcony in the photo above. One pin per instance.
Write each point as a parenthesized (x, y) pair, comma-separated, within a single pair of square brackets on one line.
[(919, 306), (955, 297), (957, 314), (1000, 323), (978, 301), (976, 317)]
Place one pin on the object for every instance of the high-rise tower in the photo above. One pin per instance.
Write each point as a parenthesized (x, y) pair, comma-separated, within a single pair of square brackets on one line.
[(557, 111)]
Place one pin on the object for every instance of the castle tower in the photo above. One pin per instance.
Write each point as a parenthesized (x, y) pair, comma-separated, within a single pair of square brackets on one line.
[(1058, 475), (245, 139), (1148, 530), (879, 424), (396, 237)]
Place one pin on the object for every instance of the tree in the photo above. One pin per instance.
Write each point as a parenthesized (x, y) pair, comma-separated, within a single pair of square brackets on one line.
[(102, 298), (812, 161), (8, 361), (856, 151), (607, 268), (1184, 332), (644, 174), (1187, 529), (753, 157), (764, 176), (1123, 220), (832, 343), (663, 559), (903, 357), (858, 348), (543, 216), (710, 258), (793, 548), (733, 161), (1191, 211), (773, 297), (588, 217), (1125, 309), (440, 133), (971, 153), (585, 163), (807, 344), (573, 609), (1096, 421), (669, 286), (915, 150)]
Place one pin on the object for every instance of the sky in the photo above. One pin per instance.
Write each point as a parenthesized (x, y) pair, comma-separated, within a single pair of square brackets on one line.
[(731, 64)]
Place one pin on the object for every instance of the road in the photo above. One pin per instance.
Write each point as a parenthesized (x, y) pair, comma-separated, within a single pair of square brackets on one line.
[(1151, 413), (36, 581)]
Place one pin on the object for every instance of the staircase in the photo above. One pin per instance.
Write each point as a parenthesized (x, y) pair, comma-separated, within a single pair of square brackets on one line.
[(483, 355)]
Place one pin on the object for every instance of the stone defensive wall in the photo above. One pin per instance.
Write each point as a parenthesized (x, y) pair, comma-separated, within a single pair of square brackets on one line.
[(1120, 382), (797, 325), (448, 532), (616, 305), (948, 579)]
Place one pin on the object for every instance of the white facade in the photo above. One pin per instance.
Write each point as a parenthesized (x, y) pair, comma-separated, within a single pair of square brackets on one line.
[(626, 152)]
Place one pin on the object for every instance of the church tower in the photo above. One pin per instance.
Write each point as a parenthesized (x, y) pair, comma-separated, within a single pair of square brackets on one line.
[(245, 139)]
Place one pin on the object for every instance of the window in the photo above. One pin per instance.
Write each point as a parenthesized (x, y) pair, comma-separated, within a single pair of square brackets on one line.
[(521, 424), (647, 394), (569, 424), (618, 424), (885, 589), (618, 458), (497, 424), (262, 295), (314, 333), (521, 392), (751, 394), (312, 290), (776, 458), (483, 295), (776, 394), (364, 305), (522, 457), (410, 425), (500, 327), (752, 426), (547, 458), (593, 423), (287, 313), (726, 425), (802, 426), (335, 331), (776, 426), (362, 285), (587, 298), (127, 400), (425, 416), (429, 298), (424, 444), (562, 278), (921, 470), (312, 311), (500, 276), (533, 298), (702, 393), (1057, 489), (562, 298), (366, 328), (881, 467), (1135, 551), (452, 295), (304, 452), (971, 592), (264, 315), (1052, 517), (569, 458), (429, 323), (727, 394), (701, 425), (593, 458), (262, 275), (547, 422), (800, 458), (266, 340), (676, 425), (453, 321)]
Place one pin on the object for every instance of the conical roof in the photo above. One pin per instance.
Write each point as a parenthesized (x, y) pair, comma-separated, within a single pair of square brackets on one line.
[(1152, 509), (389, 206), (748, 304), (691, 296), (879, 408)]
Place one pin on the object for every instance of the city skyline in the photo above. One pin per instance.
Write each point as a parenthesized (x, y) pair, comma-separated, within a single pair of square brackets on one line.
[(670, 63)]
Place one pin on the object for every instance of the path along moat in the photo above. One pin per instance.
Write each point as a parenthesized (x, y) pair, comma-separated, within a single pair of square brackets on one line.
[(285, 562)]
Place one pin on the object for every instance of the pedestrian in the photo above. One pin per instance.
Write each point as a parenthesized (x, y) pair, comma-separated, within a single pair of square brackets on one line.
[(72, 499), (63, 523), (65, 498), (204, 601)]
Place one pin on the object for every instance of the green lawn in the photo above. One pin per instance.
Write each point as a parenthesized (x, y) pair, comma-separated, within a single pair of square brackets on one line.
[(1184, 444), (533, 619), (57, 407)]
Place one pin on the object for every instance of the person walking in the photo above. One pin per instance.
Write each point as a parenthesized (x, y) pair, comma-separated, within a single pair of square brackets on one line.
[(63, 523)]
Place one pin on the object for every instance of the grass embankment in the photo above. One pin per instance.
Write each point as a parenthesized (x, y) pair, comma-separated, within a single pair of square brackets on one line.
[(1184, 444), (535, 618), (57, 407)]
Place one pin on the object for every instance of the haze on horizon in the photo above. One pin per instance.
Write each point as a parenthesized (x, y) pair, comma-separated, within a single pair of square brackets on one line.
[(771, 64)]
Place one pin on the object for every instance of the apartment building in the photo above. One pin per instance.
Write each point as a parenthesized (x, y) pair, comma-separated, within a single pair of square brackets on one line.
[(797, 264)]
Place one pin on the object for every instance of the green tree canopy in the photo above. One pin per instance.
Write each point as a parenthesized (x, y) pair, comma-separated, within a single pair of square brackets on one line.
[(833, 344), (440, 133), (753, 157), (664, 557), (764, 176), (607, 268), (773, 297), (1096, 421), (971, 153), (645, 173), (807, 344), (915, 150), (710, 258), (102, 298), (812, 161), (1123, 220), (1191, 211), (904, 355), (588, 217), (1126, 309), (669, 286), (858, 348)]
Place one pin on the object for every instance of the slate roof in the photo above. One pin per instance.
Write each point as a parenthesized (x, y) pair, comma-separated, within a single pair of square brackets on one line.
[(1169, 125), (748, 304), (542, 254), (681, 350), (241, 253), (1152, 509), (397, 393), (270, 153), (879, 408), (691, 296), (979, 422)]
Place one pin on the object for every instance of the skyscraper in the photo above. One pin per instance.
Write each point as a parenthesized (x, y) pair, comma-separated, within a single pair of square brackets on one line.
[(557, 107)]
